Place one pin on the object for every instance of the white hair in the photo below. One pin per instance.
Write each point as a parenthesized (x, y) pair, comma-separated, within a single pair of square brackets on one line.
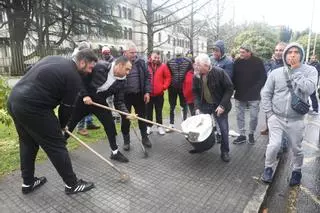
[(203, 59), (129, 45)]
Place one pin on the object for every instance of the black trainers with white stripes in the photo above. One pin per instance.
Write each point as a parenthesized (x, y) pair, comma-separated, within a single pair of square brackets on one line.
[(36, 184), (81, 186)]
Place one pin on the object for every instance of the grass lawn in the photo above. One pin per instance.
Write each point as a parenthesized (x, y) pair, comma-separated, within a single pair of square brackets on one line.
[(9, 145)]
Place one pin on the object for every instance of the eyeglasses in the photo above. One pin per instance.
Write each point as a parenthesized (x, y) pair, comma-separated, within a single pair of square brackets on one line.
[(280, 50)]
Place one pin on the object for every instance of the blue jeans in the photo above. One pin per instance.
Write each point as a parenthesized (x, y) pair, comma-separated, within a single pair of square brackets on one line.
[(85, 121), (223, 124)]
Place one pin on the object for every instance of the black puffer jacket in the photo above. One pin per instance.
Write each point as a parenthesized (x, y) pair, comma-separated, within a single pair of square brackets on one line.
[(179, 68), (220, 86), (97, 78)]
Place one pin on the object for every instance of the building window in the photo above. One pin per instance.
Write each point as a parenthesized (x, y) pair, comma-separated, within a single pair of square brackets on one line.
[(1, 17), (109, 10), (130, 33), (174, 41), (119, 11), (169, 38), (159, 37), (124, 12), (125, 33), (129, 13)]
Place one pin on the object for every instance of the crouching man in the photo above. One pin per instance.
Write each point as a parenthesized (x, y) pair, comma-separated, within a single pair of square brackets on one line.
[(52, 81), (212, 90), (106, 80)]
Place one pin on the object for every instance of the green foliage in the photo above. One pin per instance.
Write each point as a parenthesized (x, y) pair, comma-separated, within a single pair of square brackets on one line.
[(261, 37), (285, 34), (303, 40), (4, 94)]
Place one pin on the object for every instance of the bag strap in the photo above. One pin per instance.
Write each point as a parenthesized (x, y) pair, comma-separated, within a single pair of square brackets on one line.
[(288, 80)]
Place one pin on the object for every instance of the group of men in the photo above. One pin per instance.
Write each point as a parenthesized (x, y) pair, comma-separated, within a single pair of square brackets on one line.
[(205, 85)]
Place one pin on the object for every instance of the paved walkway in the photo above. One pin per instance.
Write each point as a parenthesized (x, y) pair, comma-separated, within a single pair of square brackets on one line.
[(169, 180)]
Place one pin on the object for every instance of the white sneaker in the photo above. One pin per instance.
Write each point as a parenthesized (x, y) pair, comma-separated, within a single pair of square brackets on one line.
[(148, 130), (161, 130), (171, 126)]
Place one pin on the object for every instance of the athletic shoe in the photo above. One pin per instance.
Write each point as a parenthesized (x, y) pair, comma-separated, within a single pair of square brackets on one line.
[(295, 178), (81, 186), (267, 175), (119, 157), (239, 140), (161, 130), (36, 184)]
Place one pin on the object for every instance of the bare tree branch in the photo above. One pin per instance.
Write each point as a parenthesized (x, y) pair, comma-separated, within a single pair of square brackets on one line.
[(2, 25), (142, 10), (158, 45)]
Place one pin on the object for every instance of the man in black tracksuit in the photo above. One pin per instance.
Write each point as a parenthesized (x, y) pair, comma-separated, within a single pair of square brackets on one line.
[(137, 94), (52, 81), (106, 80)]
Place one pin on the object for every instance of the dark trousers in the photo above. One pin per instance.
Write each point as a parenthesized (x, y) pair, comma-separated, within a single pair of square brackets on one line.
[(223, 123), (156, 102), (191, 109), (173, 93), (136, 101), (40, 128), (104, 116), (314, 101)]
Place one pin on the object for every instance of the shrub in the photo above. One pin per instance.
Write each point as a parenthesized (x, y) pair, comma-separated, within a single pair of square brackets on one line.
[(4, 94)]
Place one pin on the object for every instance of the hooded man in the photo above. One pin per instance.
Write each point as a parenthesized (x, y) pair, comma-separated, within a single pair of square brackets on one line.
[(219, 58), (282, 119)]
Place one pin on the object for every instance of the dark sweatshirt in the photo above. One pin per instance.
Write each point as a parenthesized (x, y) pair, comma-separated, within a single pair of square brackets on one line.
[(249, 77), (51, 82)]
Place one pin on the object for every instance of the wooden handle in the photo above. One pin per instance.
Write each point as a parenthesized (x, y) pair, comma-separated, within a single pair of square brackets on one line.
[(92, 150), (139, 118)]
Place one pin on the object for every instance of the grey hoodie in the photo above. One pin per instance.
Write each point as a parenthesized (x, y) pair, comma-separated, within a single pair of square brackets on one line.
[(276, 97)]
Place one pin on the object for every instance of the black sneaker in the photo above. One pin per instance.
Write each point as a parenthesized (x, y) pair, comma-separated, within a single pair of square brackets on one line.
[(295, 178), (119, 157), (267, 175), (92, 126), (251, 139), (81, 186), (36, 184), (146, 141), (225, 157), (240, 139)]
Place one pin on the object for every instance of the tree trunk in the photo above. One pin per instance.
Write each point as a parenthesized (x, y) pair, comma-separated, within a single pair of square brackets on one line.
[(150, 24), (17, 63)]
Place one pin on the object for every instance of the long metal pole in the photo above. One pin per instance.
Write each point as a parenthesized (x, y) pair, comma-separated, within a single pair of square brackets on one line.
[(315, 44), (310, 32)]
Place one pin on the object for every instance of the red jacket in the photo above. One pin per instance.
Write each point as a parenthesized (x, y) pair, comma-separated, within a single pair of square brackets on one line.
[(160, 78), (187, 87)]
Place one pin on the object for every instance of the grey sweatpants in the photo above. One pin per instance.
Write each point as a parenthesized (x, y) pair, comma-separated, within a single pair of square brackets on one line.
[(254, 111), (293, 130)]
